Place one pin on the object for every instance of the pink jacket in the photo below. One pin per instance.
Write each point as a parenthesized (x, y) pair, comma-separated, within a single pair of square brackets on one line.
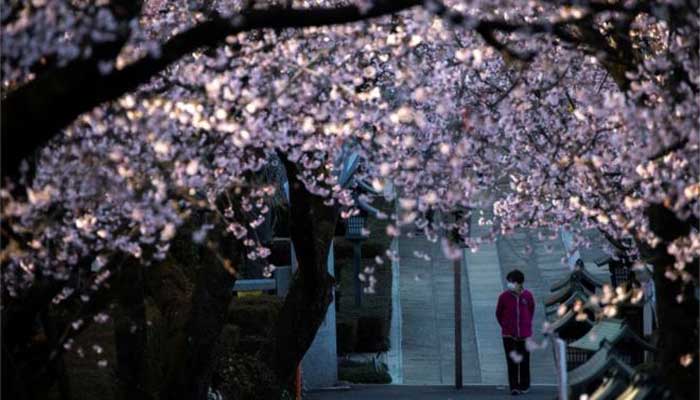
[(514, 313)]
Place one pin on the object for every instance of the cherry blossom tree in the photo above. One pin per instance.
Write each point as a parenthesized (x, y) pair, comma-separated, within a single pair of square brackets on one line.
[(150, 122)]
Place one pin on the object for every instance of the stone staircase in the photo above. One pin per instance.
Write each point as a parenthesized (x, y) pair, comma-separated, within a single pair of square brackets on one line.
[(426, 291)]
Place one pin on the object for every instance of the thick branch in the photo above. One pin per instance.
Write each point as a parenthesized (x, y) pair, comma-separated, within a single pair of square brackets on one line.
[(44, 106)]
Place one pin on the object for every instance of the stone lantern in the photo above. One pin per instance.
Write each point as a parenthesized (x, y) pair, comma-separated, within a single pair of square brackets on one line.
[(356, 233)]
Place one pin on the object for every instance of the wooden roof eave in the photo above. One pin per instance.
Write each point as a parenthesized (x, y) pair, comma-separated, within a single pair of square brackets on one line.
[(569, 294), (630, 333), (611, 388), (583, 296), (566, 319), (592, 369), (624, 368), (561, 283), (639, 389), (594, 337), (596, 366), (591, 279), (584, 276), (602, 332)]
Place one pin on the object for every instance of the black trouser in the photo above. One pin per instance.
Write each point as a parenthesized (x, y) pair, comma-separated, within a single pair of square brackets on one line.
[(518, 359)]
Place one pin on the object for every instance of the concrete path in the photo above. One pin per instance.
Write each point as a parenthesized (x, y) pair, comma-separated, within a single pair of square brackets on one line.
[(427, 314), (404, 392), (419, 344), (525, 251), (485, 282)]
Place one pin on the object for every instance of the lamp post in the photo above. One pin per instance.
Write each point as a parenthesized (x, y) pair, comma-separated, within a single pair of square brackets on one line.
[(458, 241)]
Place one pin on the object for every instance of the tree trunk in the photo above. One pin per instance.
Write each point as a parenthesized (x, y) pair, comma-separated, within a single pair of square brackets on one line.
[(34, 331), (171, 292), (57, 367), (194, 322), (678, 321), (130, 332), (18, 329), (312, 227), (210, 300)]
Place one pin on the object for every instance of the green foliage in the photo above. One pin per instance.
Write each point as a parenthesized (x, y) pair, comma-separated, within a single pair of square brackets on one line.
[(246, 377), (254, 315), (372, 335), (346, 336), (367, 372), (241, 370)]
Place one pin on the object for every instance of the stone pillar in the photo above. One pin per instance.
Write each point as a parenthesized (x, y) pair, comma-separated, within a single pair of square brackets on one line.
[(320, 364)]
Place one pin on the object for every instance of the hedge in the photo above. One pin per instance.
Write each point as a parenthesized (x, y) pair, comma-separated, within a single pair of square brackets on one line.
[(367, 372)]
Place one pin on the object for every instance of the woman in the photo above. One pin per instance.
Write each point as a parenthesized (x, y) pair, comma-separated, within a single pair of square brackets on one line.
[(515, 309)]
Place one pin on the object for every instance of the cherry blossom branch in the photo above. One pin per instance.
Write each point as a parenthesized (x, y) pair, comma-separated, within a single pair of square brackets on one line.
[(51, 102), (679, 145)]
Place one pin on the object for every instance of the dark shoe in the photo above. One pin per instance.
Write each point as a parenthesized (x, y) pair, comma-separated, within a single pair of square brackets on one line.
[(524, 391), (514, 392)]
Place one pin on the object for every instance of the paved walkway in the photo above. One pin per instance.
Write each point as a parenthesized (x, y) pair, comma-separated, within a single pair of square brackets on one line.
[(525, 251), (486, 283), (405, 392)]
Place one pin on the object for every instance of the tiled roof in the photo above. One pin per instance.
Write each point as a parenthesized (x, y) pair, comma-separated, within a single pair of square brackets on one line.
[(603, 361), (610, 388), (611, 331), (566, 292), (569, 303), (582, 275), (569, 319)]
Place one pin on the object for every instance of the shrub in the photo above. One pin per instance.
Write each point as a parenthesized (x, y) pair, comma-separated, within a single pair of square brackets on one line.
[(368, 372), (346, 336), (371, 335), (242, 376), (254, 315), (241, 370)]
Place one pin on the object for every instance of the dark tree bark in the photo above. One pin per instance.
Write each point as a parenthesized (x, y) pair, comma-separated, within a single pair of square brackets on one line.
[(211, 298), (34, 331), (130, 332), (57, 366), (53, 82), (171, 291), (678, 321), (312, 227), (52, 101), (21, 355), (194, 316)]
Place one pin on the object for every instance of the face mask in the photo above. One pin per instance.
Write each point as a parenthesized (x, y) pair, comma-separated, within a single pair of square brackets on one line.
[(510, 285)]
